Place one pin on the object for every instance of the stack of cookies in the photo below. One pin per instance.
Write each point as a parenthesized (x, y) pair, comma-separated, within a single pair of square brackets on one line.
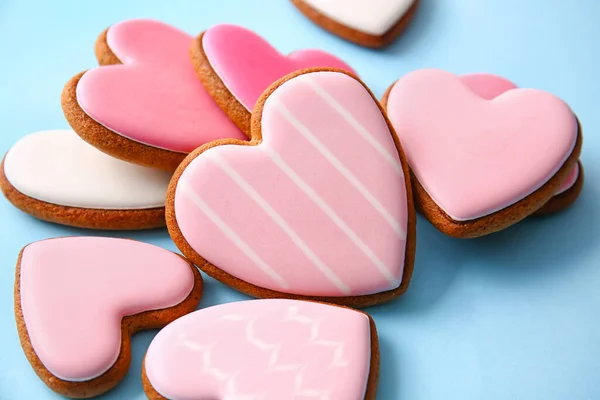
[(282, 177)]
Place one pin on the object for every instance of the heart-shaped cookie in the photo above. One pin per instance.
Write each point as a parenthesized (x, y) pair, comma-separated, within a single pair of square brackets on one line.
[(79, 299), (373, 23), (490, 86), (150, 110), (481, 165), (319, 205), (236, 66), (58, 177), (265, 349)]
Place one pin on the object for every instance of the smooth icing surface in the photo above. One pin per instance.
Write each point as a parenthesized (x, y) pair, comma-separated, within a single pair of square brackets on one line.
[(318, 208), (373, 17), (263, 349), (75, 291), (489, 87), (59, 167), (155, 98), (475, 156), (247, 64)]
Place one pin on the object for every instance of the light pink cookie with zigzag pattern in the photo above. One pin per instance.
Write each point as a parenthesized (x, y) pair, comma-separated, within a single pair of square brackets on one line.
[(265, 349)]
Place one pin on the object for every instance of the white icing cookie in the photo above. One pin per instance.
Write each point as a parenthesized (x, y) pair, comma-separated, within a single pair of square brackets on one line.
[(373, 17), (59, 167)]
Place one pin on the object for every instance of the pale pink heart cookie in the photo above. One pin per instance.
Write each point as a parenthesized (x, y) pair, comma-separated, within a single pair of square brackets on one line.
[(319, 207), (490, 86), (152, 109), (79, 299), (481, 165), (236, 66), (265, 349)]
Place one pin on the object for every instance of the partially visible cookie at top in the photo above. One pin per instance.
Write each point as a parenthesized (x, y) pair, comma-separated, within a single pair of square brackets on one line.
[(265, 349), (148, 107), (490, 86), (318, 205), (57, 177), (480, 166), (78, 300), (236, 65), (370, 23)]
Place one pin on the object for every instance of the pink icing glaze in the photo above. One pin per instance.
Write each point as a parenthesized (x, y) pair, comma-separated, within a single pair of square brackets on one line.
[(155, 98), (476, 156), (247, 64), (263, 349), (318, 208), (490, 86), (75, 291)]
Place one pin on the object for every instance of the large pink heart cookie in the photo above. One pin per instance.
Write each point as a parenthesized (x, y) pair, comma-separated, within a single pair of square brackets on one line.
[(152, 109), (490, 86), (319, 207), (78, 300), (481, 165), (265, 349), (237, 66)]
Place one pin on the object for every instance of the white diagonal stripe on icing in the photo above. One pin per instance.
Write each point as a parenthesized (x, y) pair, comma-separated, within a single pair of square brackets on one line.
[(337, 164), (362, 131), (282, 223), (326, 208), (227, 231)]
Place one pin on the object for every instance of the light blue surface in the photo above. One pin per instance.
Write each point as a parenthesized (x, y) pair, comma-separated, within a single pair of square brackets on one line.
[(515, 315)]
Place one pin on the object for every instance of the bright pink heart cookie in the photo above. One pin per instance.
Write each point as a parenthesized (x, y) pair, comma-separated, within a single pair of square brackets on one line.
[(79, 299), (320, 207), (237, 66), (481, 165), (490, 86), (152, 109), (265, 349)]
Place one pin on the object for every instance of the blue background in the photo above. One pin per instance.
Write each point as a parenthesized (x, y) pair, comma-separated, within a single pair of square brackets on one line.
[(515, 315)]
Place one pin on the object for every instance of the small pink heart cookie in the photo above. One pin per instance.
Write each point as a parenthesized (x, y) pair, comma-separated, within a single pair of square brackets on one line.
[(79, 299), (481, 165), (236, 66), (490, 86), (265, 349), (148, 108), (318, 206)]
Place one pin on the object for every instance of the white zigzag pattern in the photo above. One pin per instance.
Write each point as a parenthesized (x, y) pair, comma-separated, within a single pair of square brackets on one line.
[(274, 349), (230, 386), (315, 326)]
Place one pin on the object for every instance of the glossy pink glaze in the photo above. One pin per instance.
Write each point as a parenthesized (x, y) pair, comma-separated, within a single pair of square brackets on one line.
[(475, 156), (247, 64), (76, 290), (155, 97), (319, 208), (263, 349), (489, 87)]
